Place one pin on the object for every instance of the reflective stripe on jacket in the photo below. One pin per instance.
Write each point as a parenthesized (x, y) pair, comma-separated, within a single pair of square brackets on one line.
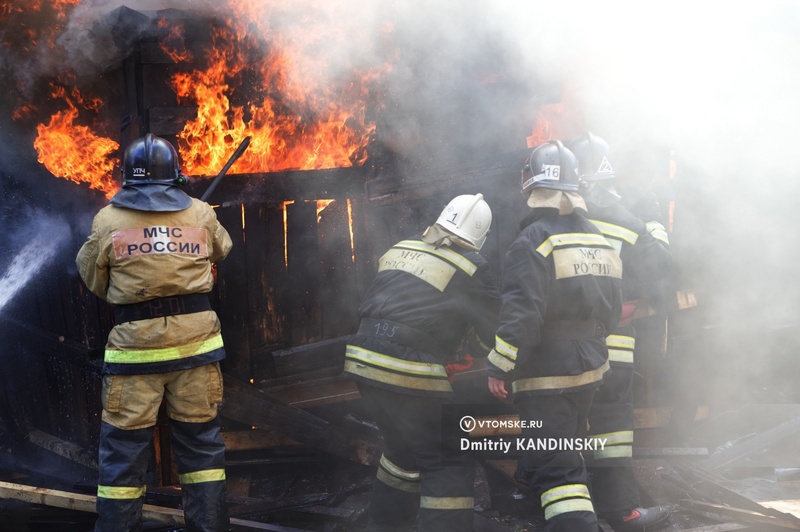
[(133, 256), (647, 262)]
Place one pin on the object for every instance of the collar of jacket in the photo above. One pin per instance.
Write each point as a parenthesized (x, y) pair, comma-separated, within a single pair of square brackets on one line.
[(152, 197)]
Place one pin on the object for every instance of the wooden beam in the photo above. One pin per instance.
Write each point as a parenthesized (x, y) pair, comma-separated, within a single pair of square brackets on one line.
[(729, 457), (738, 514), (250, 440), (246, 404), (62, 448), (86, 503), (81, 502)]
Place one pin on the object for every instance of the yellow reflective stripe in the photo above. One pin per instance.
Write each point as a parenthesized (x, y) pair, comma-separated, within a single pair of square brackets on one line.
[(395, 379), (616, 231), (563, 492), (500, 361), (207, 475), (571, 505), (398, 471), (658, 231), (505, 349), (454, 258), (118, 492), (446, 503), (615, 451), (619, 355), (615, 438), (144, 356), (397, 483), (405, 366), (562, 381), (571, 239), (621, 341)]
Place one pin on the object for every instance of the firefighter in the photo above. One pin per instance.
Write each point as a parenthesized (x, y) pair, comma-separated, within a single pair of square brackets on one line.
[(149, 255), (644, 249), (430, 292), (561, 296)]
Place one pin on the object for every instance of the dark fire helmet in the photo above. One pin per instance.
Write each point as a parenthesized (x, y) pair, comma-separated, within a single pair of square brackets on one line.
[(550, 165), (151, 160)]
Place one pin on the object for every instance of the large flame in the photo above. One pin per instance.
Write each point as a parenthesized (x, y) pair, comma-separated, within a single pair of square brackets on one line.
[(73, 151), (277, 91), (294, 123)]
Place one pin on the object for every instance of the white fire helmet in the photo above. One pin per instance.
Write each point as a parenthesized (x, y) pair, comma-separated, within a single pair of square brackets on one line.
[(468, 217)]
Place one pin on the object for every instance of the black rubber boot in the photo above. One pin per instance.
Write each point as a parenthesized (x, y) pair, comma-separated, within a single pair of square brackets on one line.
[(640, 519)]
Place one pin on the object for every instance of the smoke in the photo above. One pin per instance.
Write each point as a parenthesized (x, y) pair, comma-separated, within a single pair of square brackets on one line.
[(716, 85)]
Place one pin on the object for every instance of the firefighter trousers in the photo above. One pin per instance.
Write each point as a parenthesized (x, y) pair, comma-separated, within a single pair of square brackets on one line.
[(614, 488), (422, 477), (130, 411), (558, 477)]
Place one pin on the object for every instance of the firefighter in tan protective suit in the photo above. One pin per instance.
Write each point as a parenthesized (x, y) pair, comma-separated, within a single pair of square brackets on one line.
[(149, 255)]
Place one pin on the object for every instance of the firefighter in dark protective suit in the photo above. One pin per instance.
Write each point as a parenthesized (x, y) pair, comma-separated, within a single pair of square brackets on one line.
[(644, 249), (149, 255), (561, 296), (430, 292)]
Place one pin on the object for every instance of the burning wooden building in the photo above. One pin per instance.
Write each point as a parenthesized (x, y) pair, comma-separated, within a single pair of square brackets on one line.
[(337, 170)]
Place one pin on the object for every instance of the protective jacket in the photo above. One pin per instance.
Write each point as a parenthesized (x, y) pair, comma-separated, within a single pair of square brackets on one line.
[(416, 313), (147, 264), (644, 250), (561, 297)]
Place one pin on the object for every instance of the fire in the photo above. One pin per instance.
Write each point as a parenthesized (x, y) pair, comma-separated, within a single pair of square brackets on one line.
[(542, 131), (73, 151), (273, 84), (322, 204), (285, 209), (350, 226), (295, 121)]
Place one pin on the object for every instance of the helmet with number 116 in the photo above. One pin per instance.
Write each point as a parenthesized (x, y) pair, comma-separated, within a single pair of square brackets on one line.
[(468, 217), (552, 166)]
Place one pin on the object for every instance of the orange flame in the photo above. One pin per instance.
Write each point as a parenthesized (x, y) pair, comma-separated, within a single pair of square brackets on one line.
[(350, 226), (322, 204), (293, 124), (72, 151)]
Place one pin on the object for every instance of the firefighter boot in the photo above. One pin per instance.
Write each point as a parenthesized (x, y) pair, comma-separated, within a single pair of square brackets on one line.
[(640, 519)]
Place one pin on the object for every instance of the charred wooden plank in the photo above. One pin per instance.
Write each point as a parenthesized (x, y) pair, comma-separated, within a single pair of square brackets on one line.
[(246, 404), (297, 185), (317, 392), (62, 448), (304, 272), (339, 296), (739, 514), (248, 440), (233, 293), (731, 456), (310, 357)]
